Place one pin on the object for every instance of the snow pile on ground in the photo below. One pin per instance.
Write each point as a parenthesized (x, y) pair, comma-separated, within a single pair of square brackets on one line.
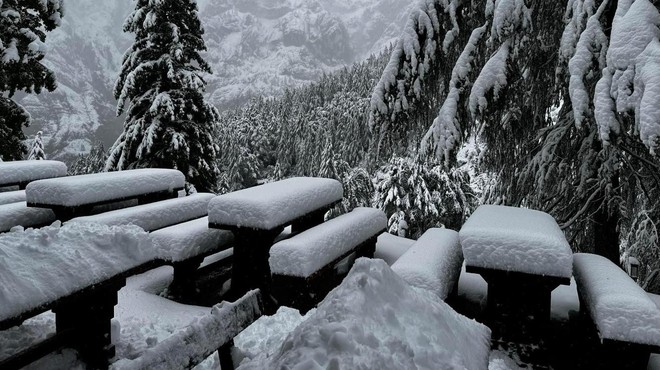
[(373, 320), (621, 309), (433, 262), (390, 247), (156, 215), (98, 187), (39, 266), (516, 239), (274, 204), (312, 249), (21, 171)]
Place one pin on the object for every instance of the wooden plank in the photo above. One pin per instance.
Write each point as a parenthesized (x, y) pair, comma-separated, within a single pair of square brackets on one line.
[(520, 276), (212, 332)]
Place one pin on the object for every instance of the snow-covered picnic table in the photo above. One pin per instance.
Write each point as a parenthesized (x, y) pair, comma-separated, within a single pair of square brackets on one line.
[(522, 254), (20, 173), (75, 196), (258, 215)]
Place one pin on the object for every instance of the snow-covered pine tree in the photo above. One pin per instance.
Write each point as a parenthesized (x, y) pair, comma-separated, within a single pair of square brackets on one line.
[(563, 108), (37, 151), (23, 27), (160, 88), (93, 162)]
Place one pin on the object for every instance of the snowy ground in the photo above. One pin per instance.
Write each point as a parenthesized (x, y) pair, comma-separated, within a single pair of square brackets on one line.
[(143, 319)]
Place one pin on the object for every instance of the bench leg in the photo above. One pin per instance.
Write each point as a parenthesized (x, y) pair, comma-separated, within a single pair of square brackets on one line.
[(251, 269), (224, 353), (183, 286), (89, 317)]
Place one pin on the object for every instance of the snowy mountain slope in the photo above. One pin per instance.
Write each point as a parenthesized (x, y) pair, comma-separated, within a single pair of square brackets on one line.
[(256, 47)]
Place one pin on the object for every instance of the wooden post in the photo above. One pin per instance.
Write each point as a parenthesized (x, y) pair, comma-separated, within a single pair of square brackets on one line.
[(89, 317), (224, 353), (183, 286)]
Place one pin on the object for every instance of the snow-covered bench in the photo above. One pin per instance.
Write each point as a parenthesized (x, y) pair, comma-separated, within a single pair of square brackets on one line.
[(75, 271), (8, 197), (258, 215), (74, 196), (19, 214), (303, 266), (185, 246), (156, 215), (522, 254), (433, 262), (210, 333), (626, 319), (20, 173)]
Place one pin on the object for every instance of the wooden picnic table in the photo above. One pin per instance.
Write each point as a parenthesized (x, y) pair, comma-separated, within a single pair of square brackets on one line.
[(75, 196), (20, 173), (522, 254), (257, 215)]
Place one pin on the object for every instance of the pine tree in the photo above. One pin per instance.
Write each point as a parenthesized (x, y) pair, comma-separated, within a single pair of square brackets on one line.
[(564, 108), (93, 162), (23, 27), (168, 122), (37, 151)]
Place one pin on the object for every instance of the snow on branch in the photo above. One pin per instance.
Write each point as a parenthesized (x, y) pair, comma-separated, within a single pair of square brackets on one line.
[(591, 45), (632, 74), (492, 76), (444, 134)]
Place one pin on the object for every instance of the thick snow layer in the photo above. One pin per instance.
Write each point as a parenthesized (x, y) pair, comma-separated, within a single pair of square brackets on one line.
[(98, 187), (516, 239), (274, 204), (40, 266), (12, 197), (433, 262), (492, 76), (154, 216), (620, 308), (22, 171), (19, 214), (189, 239), (312, 249), (200, 339), (372, 321), (390, 247)]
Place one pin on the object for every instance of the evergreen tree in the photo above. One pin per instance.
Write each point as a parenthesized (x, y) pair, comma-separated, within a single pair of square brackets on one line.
[(37, 151), (564, 108), (160, 87), (23, 27), (93, 162)]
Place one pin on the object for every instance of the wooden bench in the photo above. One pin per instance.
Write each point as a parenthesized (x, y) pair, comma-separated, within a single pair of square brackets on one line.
[(258, 215), (626, 320), (9, 197), (19, 214), (20, 173), (156, 215), (523, 255), (184, 246), (79, 285), (75, 196), (433, 262), (303, 266), (213, 332)]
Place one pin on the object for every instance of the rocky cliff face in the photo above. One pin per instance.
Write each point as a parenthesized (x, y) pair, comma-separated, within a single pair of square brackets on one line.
[(256, 47)]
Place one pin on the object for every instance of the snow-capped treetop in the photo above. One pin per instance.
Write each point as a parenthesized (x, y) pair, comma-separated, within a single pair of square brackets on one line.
[(12, 172), (274, 204), (516, 239), (37, 151), (98, 187), (168, 123)]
